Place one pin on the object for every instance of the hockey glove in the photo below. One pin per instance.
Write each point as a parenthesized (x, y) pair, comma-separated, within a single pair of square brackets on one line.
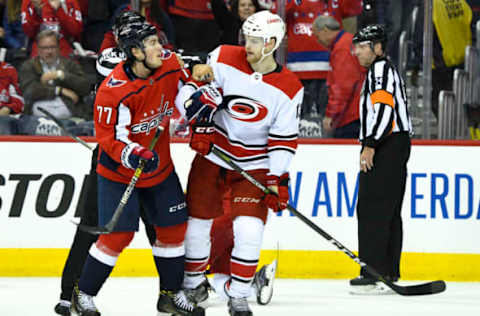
[(202, 104), (202, 138), (135, 153), (275, 184)]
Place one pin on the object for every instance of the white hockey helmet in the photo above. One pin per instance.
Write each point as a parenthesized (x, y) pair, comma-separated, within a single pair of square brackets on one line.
[(266, 25)]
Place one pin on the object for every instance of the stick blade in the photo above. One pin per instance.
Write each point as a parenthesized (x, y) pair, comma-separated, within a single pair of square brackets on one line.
[(434, 287), (94, 230)]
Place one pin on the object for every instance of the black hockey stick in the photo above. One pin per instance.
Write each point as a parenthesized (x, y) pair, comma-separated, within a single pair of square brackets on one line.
[(420, 289), (98, 230), (62, 127)]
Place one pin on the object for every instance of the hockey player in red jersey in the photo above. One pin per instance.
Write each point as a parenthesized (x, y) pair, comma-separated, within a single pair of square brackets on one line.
[(255, 122), (130, 104)]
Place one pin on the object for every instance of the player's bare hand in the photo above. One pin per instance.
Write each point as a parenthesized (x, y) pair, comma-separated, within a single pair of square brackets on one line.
[(47, 76), (327, 124), (366, 159), (70, 94), (202, 72), (54, 3)]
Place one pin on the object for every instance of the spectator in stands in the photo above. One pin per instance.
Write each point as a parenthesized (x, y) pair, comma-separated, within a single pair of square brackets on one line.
[(452, 34), (308, 59), (475, 6), (54, 82), (2, 31), (153, 12), (97, 20), (15, 39), (395, 16), (196, 31), (11, 101), (230, 20), (344, 81), (61, 16), (14, 36)]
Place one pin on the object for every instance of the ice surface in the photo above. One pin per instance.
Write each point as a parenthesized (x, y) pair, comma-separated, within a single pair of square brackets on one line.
[(137, 296)]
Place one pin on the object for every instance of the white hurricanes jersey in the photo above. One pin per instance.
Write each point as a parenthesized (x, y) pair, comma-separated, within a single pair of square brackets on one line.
[(257, 126)]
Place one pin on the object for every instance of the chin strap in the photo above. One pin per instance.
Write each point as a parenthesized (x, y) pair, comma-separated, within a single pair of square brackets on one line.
[(263, 56)]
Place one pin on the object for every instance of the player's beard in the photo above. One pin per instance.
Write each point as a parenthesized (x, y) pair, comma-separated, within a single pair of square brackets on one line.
[(154, 62), (253, 58)]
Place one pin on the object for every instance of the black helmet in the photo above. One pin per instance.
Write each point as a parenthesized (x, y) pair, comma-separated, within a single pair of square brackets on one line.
[(126, 18), (132, 35), (374, 33)]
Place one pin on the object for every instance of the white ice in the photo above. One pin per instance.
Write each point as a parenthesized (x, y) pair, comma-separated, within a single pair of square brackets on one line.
[(137, 296)]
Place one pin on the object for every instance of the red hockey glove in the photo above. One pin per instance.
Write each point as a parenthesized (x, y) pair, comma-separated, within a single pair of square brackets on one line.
[(202, 104), (134, 153), (277, 184), (202, 138)]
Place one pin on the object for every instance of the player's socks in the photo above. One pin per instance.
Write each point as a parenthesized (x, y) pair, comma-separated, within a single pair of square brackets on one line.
[(170, 271), (93, 276)]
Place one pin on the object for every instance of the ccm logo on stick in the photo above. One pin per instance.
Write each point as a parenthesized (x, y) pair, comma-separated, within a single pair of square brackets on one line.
[(204, 129), (246, 200)]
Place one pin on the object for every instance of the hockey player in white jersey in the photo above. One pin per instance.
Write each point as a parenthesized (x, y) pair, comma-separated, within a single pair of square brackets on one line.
[(255, 122)]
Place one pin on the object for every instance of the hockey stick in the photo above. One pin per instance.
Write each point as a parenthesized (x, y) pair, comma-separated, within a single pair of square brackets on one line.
[(420, 289), (98, 230), (62, 127)]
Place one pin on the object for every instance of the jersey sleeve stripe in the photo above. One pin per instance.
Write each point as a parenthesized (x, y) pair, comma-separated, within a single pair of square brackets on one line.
[(124, 119), (274, 144), (222, 132), (283, 137)]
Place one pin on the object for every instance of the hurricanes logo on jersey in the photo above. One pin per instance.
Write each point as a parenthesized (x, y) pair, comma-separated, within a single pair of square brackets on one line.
[(245, 109)]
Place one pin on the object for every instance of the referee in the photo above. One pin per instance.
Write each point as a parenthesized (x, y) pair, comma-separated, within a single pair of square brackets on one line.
[(385, 129)]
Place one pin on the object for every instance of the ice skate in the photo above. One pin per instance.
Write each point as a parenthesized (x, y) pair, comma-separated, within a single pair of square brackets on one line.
[(63, 308), (239, 307), (263, 282), (200, 293), (363, 285), (177, 303), (378, 288), (82, 304), (362, 280)]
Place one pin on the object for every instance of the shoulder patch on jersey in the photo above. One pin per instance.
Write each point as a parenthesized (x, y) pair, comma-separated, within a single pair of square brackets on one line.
[(166, 54), (115, 83), (7, 66)]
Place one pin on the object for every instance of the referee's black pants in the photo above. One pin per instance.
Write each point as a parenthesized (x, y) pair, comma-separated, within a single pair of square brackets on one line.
[(380, 198)]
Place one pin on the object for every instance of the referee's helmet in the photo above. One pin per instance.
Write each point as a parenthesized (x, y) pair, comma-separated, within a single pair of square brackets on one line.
[(373, 33)]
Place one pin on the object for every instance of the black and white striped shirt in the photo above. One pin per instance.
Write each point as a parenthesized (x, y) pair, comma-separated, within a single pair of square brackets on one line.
[(383, 104)]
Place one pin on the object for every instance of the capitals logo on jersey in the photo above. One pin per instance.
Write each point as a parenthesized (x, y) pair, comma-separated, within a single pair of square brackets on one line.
[(152, 122), (244, 109), (115, 83)]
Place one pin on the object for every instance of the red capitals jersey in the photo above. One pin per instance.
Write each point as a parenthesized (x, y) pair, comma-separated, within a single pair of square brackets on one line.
[(66, 21), (306, 57), (10, 95), (128, 110), (344, 81), (194, 9)]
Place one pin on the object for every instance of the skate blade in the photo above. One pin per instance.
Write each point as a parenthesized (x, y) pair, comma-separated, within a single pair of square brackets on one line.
[(266, 292)]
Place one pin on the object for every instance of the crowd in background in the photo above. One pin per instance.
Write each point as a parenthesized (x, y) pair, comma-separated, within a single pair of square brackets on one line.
[(56, 70)]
